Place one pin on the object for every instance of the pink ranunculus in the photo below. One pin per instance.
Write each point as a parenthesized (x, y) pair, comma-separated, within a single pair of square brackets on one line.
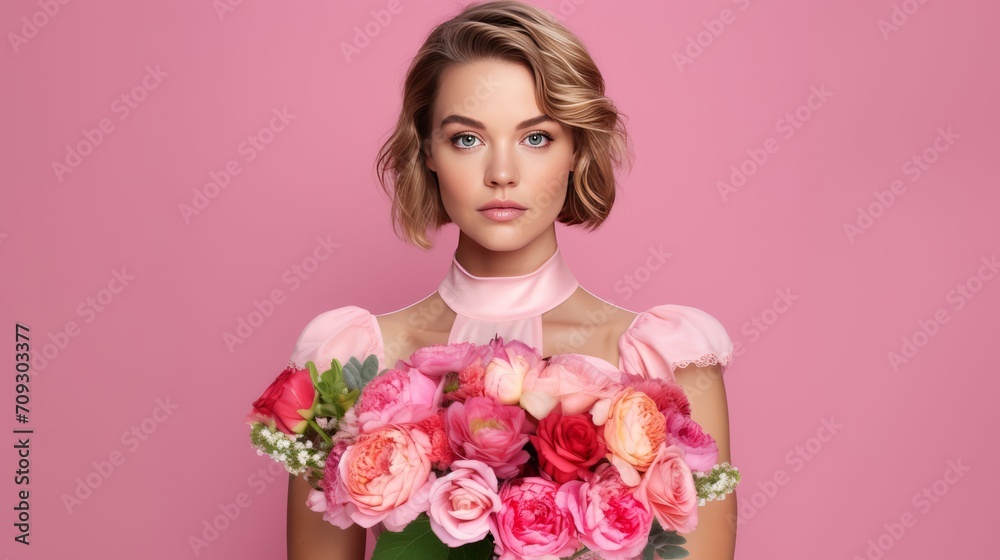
[(398, 396), (668, 487), (700, 449), (634, 431), (668, 395), (462, 503), (385, 476), (288, 401), (505, 373), (571, 381), (485, 430), (530, 525), (609, 517), (567, 446), (438, 360)]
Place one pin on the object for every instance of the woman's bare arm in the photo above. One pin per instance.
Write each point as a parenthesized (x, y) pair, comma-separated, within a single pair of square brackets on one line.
[(312, 538), (715, 536)]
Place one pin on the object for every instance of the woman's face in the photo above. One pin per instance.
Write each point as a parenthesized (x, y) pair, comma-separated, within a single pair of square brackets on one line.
[(490, 142)]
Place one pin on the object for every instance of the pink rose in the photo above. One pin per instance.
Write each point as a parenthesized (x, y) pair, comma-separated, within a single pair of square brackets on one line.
[(288, 401), (398, 397), (462, 503), (569, 380), (700, 450), (385, 476), (668, 487), (530, 525), (485, 430), (608, 516), (567, 446), (634, 431), (440, 359), (505, 373)]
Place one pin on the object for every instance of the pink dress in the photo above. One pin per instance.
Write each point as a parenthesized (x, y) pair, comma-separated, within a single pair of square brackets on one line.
[(658, 341)]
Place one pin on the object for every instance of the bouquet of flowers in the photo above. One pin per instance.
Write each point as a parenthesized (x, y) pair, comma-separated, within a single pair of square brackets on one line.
[(490, 451)]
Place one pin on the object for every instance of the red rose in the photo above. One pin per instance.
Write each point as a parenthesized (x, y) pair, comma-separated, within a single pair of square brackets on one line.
[(567, 445), (288, 401)]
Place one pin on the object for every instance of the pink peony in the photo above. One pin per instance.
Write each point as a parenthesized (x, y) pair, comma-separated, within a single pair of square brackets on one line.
[(505, 373), (441, 359), (668, 395), (608, 516), (567, 446), (485, 430), (569, 380), (288, 401), (530, 524), (439, 452), (463, 502), (468, 381), (634, 431), (398, 396), (385, 476), (668, 487), (700, 450)]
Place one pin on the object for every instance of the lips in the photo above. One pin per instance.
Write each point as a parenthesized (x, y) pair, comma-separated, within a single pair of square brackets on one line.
[(502, 204)]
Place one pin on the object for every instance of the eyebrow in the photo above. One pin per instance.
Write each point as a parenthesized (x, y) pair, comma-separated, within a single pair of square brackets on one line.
[(476, 124)]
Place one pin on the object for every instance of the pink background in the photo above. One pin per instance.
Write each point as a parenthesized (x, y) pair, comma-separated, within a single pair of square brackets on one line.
[(825, 359)]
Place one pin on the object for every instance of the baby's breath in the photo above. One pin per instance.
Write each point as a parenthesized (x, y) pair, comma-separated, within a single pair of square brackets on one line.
[(716, 483), (293, 451)]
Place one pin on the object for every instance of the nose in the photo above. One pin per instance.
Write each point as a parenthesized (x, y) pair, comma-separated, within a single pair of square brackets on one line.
[(501, 170)]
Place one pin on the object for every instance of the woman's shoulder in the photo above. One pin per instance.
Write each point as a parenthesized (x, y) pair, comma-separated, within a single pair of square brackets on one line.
[(668, 336), (339, 333)]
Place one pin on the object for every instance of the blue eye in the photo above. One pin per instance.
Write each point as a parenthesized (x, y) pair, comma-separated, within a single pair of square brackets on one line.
[(538, 136), (466, 141)]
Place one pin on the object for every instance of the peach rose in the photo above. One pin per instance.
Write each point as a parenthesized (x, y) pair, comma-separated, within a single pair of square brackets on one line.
[(386, 476), (634, 431)]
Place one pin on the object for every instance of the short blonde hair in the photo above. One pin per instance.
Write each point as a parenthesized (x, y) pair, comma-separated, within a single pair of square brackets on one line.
[(569, 88)]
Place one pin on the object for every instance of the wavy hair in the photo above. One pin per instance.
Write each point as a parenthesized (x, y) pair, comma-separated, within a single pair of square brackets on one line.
[(568, 88)]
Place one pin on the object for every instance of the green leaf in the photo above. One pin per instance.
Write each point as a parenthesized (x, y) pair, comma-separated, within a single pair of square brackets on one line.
[(479, 550), (415, 541), (357, 374)]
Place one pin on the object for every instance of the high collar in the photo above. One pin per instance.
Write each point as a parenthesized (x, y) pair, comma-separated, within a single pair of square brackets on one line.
[(508, 298)]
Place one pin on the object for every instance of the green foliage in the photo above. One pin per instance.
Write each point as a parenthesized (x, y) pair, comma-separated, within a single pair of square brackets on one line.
[(663, 543), (357, 374), (415, 541), (479, 550), (335, 397)]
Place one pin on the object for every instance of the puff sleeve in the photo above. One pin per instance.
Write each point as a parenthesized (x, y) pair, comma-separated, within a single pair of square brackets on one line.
[(339, 333), (666, 337)]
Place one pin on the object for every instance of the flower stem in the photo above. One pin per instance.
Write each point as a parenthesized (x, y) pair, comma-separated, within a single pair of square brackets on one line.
[(316, 427)]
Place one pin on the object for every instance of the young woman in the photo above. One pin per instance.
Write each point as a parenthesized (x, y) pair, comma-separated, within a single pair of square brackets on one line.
[(505, 130)]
